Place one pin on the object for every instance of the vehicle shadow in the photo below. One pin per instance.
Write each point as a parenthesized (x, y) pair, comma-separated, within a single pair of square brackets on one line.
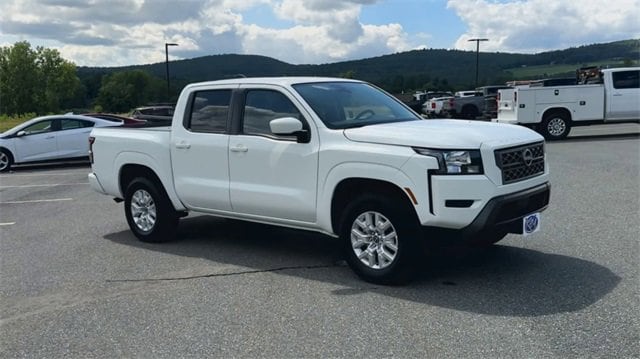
[(51, 166), (501, 280), (601, 137)]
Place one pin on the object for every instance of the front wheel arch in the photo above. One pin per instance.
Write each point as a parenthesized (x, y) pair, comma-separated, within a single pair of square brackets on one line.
[(349, 189)]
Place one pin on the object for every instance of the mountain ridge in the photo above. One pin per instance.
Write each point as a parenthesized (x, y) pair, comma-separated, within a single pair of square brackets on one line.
[(424, 68)]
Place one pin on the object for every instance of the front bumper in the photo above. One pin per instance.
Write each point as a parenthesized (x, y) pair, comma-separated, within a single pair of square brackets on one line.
[(505, 213), (500, 214)]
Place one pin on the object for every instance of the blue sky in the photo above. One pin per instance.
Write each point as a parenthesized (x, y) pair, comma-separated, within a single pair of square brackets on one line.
[(125, 32)]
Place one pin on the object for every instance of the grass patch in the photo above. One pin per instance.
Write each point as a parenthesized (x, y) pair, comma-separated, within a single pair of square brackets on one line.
[(8, 122), (559, 70)]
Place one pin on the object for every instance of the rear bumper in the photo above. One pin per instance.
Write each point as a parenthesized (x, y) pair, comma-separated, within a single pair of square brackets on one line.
[(95, 184)]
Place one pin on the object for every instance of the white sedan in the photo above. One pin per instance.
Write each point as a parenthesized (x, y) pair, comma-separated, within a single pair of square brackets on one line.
[(48, 138)]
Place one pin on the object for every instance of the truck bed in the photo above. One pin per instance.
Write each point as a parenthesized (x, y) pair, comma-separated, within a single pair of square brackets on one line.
[(114, 147)]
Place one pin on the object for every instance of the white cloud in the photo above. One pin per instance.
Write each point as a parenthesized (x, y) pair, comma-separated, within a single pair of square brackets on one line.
[(541, 25), (125, 32), (120, 32)]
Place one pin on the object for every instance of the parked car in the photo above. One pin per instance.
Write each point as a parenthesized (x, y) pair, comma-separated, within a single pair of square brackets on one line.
[(470, 107), (490, 94), (606, 96), (126, 121), (154, 114), (49, 138), (436, 107), (465, 93), (421, 97)]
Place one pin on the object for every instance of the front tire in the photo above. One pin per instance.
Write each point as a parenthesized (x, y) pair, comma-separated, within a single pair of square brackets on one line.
[(6, 160), (149, 212), (556, 126), (381, 239)]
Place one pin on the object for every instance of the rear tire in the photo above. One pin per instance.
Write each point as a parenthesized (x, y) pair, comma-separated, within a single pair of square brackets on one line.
[(6, 160), (469, 112), (555, 126), (380, 238), (149, 211)]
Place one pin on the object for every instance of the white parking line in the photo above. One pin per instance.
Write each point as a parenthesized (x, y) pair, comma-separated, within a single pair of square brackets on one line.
[(86, 171), (38, 201), (7, 224), (45, 185)]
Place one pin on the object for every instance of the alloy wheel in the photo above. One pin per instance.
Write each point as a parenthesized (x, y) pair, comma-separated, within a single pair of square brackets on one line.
[(374, 240), (143, 210)]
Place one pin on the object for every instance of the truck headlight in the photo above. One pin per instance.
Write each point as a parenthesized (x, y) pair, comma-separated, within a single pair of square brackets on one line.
[(464, 162)]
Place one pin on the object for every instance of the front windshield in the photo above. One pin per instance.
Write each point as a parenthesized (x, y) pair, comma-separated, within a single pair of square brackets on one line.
[(352, 104)]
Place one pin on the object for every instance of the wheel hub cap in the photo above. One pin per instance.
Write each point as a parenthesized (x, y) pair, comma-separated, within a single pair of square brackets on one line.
[(143, 210), (556, 126), (4, 160), (374, 240)]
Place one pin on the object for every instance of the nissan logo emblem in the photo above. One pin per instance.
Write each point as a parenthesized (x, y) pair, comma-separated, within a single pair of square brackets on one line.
[(527, 157)]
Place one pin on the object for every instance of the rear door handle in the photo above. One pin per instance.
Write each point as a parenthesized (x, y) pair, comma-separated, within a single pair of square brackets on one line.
[(49, 137), (239, 148), (183, 145)]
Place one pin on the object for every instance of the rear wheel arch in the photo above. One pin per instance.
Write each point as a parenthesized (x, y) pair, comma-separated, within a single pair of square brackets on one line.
[(557, 110), (129, 172), (556, 123)]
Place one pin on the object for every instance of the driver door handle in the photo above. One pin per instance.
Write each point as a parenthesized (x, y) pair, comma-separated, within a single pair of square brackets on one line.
[(183, 145), (239, 148)]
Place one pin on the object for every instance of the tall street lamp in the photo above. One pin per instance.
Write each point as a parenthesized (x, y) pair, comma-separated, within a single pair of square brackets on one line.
[(166, 54), (477, 55)]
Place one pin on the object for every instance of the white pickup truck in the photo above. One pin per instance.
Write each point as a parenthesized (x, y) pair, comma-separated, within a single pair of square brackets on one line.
[(335, 156), (553, 110)]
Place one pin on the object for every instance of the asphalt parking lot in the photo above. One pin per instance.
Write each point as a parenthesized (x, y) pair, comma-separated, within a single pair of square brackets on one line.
[(76, 283)]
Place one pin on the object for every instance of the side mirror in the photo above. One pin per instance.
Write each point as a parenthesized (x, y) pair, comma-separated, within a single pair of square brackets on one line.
[(21, 133), (288, 126)]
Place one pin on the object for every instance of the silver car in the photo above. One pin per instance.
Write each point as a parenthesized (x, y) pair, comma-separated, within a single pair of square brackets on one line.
[(48, 138)]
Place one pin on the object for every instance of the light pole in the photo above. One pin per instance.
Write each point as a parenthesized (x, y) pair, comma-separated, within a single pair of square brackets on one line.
[(166, 54), (477, 55)]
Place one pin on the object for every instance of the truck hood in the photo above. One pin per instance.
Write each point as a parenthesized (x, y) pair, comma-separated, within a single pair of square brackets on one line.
[(443, 134)]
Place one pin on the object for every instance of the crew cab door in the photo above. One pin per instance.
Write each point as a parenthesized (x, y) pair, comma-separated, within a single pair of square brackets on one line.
[(199, 150), (270, 175), (623, 102)]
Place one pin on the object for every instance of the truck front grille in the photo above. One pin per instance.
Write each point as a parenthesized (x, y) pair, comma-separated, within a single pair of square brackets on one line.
[(520, 163)]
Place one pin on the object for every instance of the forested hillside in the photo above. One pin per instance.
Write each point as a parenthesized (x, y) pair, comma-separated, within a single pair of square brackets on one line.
[(412, 70)]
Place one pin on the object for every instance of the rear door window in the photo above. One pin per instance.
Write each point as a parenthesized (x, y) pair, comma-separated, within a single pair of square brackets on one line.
[(209, 111), (626, 79)]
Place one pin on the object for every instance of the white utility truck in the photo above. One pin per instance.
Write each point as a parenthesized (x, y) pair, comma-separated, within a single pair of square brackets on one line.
[(335, 156), (553, 110)]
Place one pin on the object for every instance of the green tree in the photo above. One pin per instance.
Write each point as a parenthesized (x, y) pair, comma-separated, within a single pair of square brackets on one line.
[(35, 80), (122, 91), (349, 74)]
